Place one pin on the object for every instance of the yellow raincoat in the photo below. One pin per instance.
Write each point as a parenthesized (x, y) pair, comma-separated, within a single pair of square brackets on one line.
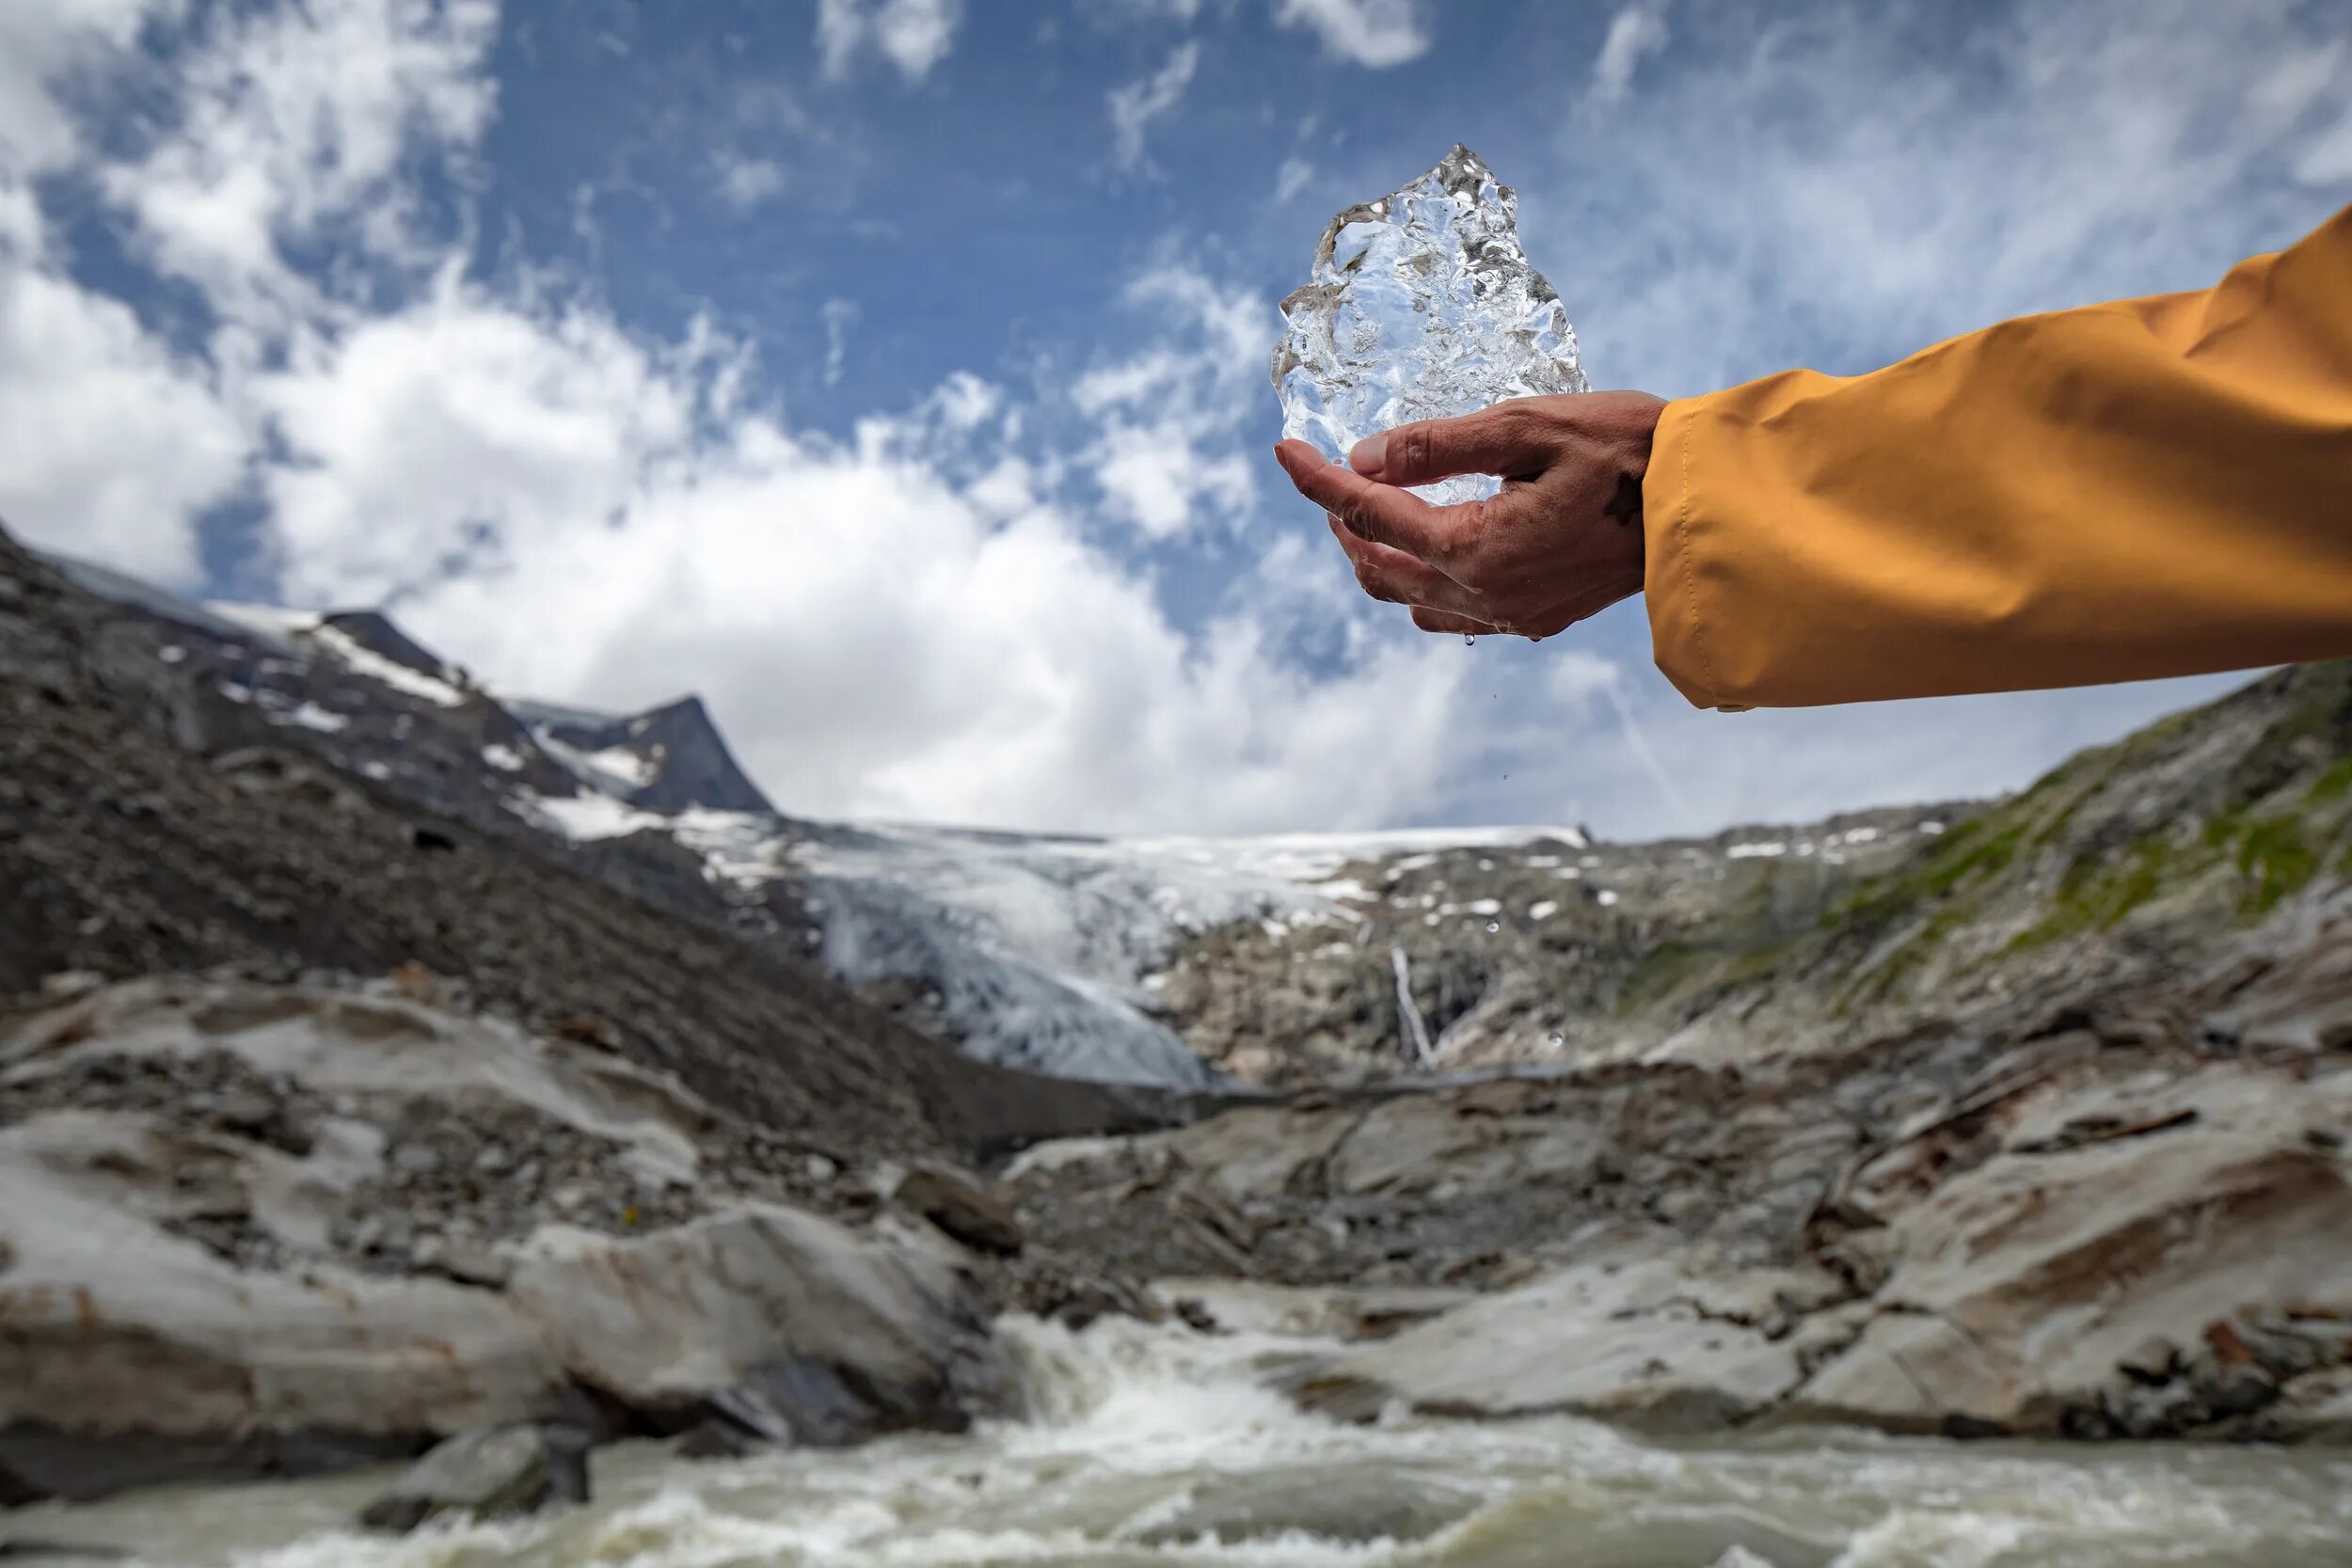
[(2151, 487)]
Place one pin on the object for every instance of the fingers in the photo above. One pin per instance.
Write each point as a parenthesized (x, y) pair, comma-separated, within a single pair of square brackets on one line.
[(1438, 620), (1392, 575), (1380, 512), (1509, 440)]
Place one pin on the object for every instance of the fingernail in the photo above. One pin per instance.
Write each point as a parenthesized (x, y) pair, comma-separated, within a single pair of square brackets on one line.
[(1367, 455)]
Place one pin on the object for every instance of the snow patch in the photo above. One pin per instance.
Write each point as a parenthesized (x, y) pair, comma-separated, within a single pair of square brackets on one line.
[(366, 661), (634, 768), (273, 622), (505, 758), (584, 818), (1761, 848), (313, 716)]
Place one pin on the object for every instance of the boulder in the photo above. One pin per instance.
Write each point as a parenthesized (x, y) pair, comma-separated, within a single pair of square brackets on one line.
[(492, 1474), (800, 1328), (129, 1355), (135, 1350), (2047, 1283), (1649, 1340), (962, 1208)]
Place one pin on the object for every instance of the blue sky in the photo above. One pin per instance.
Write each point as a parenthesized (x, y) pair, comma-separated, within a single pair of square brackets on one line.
[(892, 372)]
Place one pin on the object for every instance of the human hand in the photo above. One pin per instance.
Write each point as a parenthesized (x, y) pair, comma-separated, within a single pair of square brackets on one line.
[(1561, 541)]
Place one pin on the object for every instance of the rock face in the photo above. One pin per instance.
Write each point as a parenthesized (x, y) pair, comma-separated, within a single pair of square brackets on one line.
[(256, 1230), (2102, 1259), (784, 1322), (494, 1474), (1658, 1340), (961, 1207), (2081, 1220)]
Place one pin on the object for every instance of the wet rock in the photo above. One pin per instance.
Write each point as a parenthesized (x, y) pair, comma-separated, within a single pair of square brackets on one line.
[(494, 1474), (1194, 1314), (28, 1549), (962, 1208), (830, 1332), (716, 1438), (1627, 1341), (2006, 1310), (468, 1262)]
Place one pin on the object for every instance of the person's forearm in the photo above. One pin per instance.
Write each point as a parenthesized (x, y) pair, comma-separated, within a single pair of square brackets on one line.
[(2151, 487)]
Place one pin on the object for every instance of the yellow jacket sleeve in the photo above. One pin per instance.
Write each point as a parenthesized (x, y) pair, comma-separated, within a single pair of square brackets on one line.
[(2151, 487)]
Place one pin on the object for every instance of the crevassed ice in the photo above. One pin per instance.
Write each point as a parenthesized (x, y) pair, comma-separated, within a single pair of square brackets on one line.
[(1422, 306)]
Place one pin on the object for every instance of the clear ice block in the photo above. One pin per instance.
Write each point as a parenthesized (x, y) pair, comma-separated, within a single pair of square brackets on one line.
[(1422, 306)]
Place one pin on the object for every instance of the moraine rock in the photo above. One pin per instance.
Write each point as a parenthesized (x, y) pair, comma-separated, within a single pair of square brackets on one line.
[(1660, 1342), (202, 1295), (783, 1322), (492, 1474), (962, 1208), (2030, 1278)]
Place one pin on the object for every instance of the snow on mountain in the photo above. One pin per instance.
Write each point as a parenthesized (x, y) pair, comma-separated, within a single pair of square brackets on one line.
[(1031, 950)]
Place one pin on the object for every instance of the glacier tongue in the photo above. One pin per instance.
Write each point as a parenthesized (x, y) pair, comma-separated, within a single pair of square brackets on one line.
[(1422, 306)]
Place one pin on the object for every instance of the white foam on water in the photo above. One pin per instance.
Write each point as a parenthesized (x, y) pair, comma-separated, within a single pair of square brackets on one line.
[(1134, 1434)]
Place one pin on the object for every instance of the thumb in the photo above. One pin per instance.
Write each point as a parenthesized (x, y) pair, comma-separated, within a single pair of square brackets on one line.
[(1505, 440)]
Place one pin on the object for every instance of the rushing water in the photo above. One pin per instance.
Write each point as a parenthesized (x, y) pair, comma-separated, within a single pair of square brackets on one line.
[(1151, 1447)]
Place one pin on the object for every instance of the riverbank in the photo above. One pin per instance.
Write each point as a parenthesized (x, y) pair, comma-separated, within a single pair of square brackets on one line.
[(1156, 1447)]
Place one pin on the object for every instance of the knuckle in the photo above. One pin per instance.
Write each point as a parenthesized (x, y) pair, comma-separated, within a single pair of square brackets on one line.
[(1412, 446)]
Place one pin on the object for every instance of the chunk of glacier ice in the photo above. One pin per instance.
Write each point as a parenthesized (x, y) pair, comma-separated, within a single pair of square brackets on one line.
[(1422, 306)]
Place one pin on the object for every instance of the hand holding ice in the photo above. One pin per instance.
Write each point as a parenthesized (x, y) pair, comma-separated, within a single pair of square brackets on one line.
[(1423, 305)]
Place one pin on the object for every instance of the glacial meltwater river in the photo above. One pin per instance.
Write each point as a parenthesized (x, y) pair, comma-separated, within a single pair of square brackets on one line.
[(1154, 1446)]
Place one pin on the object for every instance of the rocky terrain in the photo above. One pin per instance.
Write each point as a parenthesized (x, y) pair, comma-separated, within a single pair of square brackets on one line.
[(384, 1064)]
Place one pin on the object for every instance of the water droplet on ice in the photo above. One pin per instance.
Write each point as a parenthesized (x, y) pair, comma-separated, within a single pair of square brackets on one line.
[(1469, 637), (1556, 1041), (1493, 925)]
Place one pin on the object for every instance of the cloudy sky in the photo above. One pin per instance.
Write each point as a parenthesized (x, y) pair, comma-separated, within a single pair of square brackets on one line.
[(892, 372)]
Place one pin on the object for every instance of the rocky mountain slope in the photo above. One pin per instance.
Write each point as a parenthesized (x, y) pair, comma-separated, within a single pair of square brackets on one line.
[(2039, 1127), (1173, 961), (152, 822)]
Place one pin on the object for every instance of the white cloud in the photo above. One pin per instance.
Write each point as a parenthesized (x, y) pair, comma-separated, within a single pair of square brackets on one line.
[(1137, 104), (1292, 178), (1169, 416), (542, 498), (44, 44), (1375, 33), (746, 183), (1137, 10), (1635, 33), (297, 120), (913, 35), (1858, 196), (115, 445)]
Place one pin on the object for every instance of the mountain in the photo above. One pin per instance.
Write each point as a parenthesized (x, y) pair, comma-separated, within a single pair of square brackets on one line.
[(179, 792), (1320, 958)]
